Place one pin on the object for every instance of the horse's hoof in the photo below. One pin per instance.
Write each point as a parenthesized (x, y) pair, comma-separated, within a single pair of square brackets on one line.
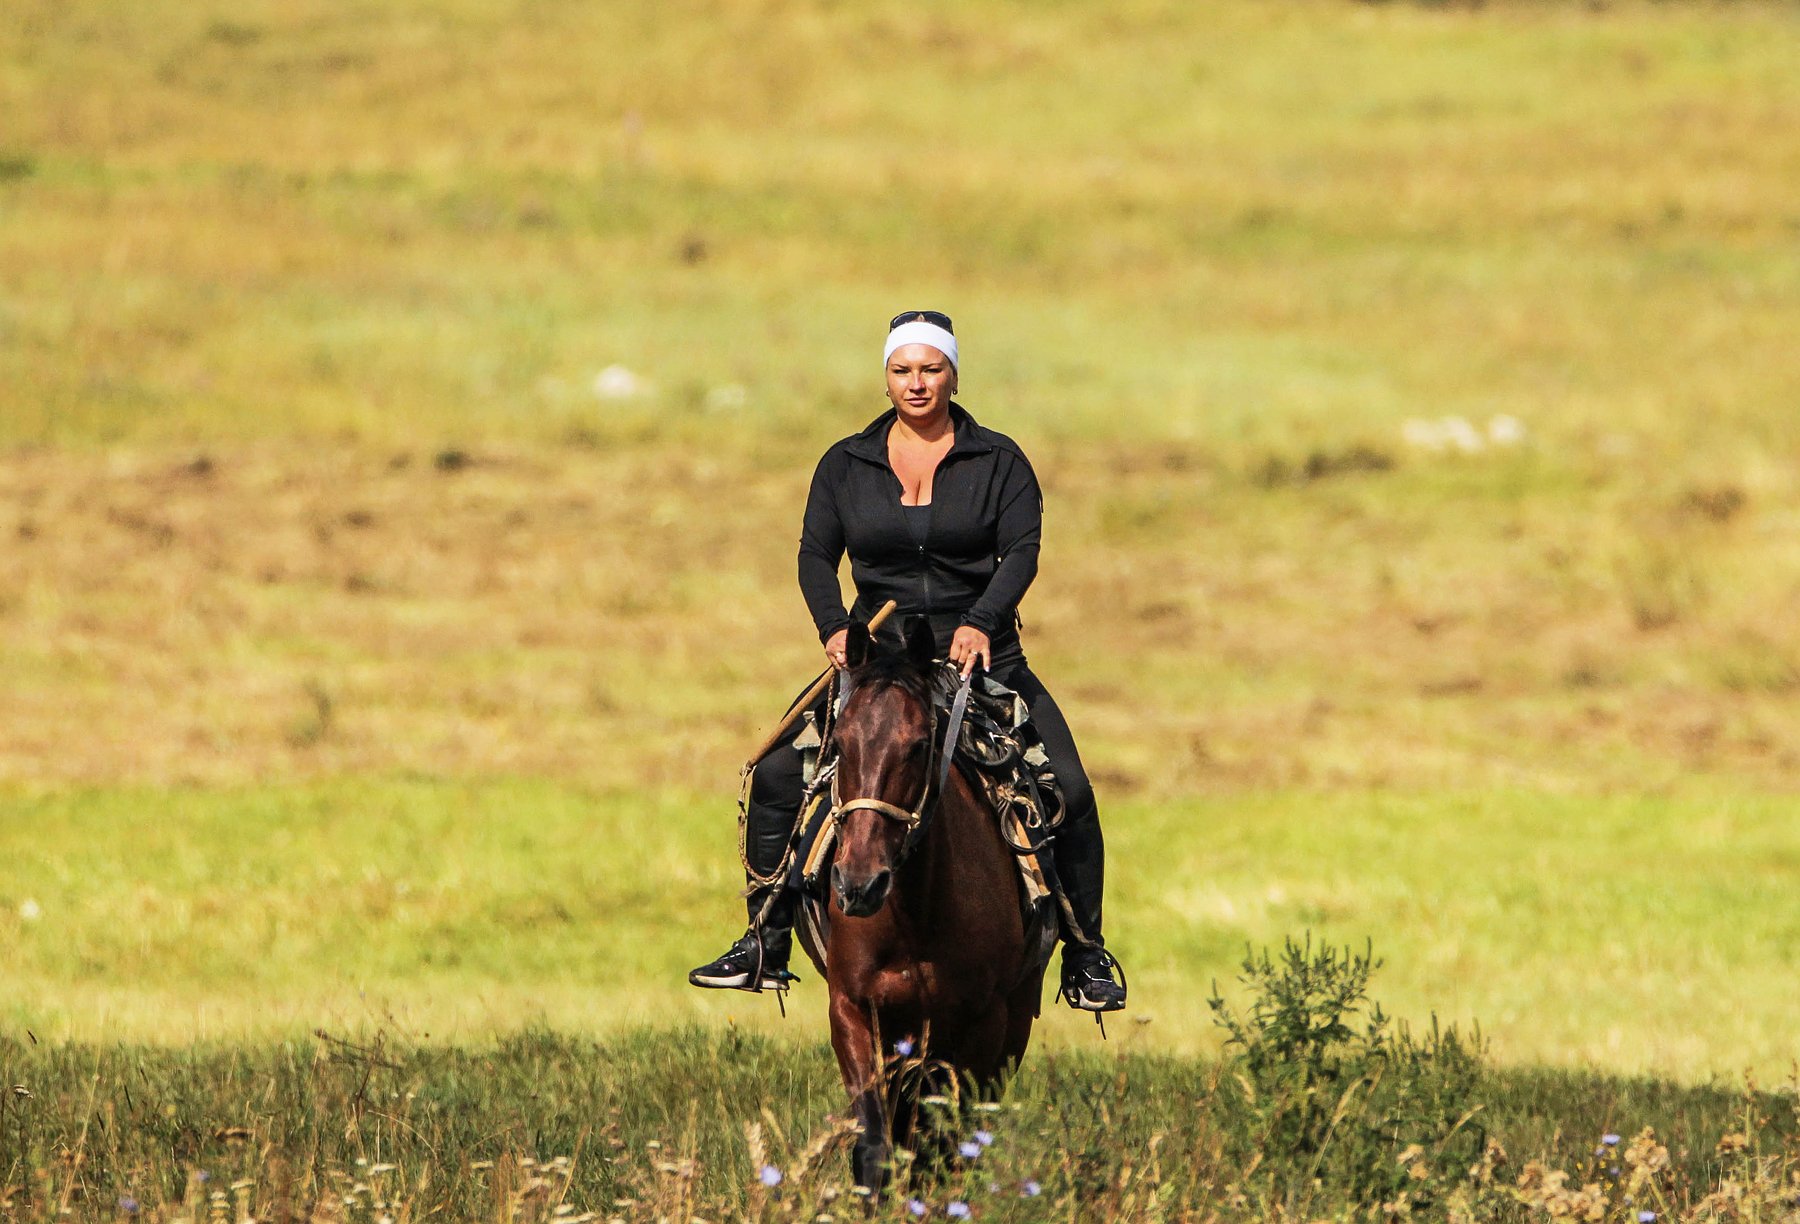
[(869, 1166)]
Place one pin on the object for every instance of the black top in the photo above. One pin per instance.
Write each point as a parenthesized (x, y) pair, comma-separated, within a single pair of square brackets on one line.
[(918, 521), (977, 558)]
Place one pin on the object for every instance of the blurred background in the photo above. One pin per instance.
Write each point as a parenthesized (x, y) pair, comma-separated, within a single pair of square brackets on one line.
[(406, 413)]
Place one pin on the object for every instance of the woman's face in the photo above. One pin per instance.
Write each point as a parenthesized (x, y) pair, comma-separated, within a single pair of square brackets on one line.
[(920, 381)]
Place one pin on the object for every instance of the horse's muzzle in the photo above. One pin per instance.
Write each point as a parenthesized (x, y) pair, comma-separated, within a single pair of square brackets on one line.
[(861, 899)]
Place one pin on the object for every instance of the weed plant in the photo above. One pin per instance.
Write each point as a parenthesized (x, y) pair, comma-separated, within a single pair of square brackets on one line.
[(1336, 1103)]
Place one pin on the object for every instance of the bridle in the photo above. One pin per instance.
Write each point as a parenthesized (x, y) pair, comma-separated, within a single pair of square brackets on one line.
[(917, 819)]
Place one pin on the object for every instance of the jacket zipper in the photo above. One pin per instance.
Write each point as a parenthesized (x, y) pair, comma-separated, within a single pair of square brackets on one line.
[(925, 560)]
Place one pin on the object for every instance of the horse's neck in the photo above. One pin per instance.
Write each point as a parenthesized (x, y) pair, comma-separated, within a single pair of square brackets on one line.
[(960, 843)]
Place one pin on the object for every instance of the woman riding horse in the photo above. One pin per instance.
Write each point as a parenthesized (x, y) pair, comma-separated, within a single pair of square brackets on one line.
[(943, 517)]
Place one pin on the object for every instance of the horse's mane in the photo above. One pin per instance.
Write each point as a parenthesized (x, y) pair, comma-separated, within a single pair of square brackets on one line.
[(895, 669)]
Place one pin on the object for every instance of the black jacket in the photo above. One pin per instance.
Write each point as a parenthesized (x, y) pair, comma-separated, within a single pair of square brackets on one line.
[(980, 551)]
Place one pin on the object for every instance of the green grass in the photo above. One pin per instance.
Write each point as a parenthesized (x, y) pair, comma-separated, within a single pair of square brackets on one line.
[(1635, 933), (652, 1125)]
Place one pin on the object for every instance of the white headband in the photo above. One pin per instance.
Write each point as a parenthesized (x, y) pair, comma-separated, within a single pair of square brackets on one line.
[(920, 332)]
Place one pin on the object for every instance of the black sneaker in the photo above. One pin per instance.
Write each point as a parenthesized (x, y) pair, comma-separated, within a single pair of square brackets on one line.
[(1087, 980), (737, 969)]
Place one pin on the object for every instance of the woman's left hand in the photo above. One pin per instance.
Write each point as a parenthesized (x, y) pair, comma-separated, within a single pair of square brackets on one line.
[(969, 647)]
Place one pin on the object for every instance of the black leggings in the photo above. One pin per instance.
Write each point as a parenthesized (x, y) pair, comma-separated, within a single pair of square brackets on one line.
[(774, 805)]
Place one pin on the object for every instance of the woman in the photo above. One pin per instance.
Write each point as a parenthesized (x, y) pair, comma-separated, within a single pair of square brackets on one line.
[(943, 517)]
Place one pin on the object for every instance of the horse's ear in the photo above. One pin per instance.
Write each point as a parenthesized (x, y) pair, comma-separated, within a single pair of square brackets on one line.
[(856, 646), (921, 643)]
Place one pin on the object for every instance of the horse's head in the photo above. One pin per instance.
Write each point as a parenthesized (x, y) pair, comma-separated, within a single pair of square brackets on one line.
[(883, 737)]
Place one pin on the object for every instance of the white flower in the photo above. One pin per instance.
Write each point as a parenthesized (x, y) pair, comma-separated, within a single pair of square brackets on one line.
[(29, 910), (616, 382), (1462, 435)]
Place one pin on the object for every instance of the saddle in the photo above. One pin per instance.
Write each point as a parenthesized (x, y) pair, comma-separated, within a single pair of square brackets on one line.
[(999, 752)]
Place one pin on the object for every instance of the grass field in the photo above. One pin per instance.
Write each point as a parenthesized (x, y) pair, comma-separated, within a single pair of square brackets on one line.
[(405, 413), (1638, 934), (652, 1125)]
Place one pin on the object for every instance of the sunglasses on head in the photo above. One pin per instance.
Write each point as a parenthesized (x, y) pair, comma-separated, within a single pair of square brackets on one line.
[(937, 317)]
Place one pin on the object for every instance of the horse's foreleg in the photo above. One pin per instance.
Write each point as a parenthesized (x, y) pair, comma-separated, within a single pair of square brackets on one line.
[(1021, 1014), (854, 1040)]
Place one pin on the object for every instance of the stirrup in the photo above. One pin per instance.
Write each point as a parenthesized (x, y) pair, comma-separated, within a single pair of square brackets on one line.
[(1101, 964), (743, 967)]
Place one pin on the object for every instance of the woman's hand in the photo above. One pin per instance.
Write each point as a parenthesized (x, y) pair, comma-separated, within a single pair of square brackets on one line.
[(834, 648), (968, 647)]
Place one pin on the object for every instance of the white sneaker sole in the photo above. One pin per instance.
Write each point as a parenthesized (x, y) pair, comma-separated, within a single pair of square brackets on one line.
[(1081, 1002), (737, 981)]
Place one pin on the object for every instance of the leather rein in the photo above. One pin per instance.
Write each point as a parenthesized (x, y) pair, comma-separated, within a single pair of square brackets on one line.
[(918, 819)]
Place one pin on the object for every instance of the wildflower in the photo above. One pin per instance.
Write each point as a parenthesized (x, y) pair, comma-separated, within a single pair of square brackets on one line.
[(1610, 1140), (1646, 1217), (1031, 1189), (969, 1149), (1462, 435), (958, 1210), (917, 1206), (1505, 430), (616, 382), (904, 1047), (984, 1138), (770, 1176), (127, 1204)]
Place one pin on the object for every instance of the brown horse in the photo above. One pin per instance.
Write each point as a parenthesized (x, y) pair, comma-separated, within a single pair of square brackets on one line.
[(928, 950)]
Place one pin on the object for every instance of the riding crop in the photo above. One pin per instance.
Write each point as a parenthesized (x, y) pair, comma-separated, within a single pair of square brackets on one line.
[(805, 700)]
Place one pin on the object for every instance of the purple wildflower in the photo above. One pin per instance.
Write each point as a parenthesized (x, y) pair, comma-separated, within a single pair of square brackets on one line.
[(984, 1138), (770, 1176), (958, 1210), (1646, 1217), (917, 1206), (1610, 1140), (1030, 1189), (904, 1047), (127, 1204), (969, 1149)]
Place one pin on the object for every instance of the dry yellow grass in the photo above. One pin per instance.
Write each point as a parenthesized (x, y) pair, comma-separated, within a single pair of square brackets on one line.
[(627, 617)]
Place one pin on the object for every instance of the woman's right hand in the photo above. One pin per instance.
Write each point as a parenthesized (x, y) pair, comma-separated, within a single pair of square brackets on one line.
[(834, 648)]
